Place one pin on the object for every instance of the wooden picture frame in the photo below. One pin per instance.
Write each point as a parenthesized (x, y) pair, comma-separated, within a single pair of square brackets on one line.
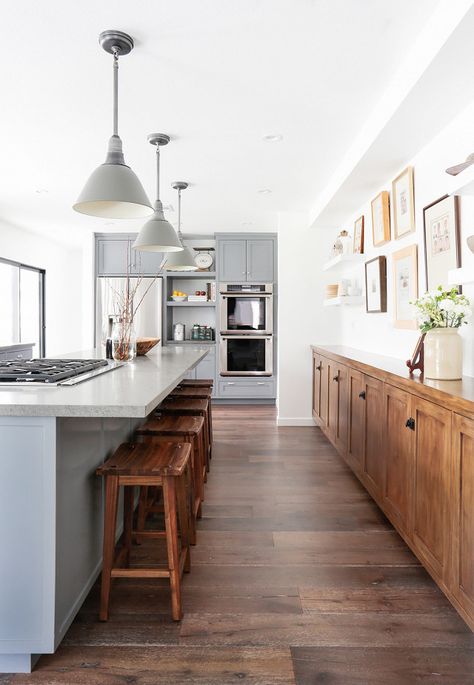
[(380, 209), (403, 203), (405, 286), (359, 235), (442, 240), (376, 285)]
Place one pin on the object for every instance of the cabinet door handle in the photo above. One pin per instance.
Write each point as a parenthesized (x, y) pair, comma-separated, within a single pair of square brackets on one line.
[(362, 395), (260, 383), (232, 383), (318, 368), (410, 423), (336, 378)]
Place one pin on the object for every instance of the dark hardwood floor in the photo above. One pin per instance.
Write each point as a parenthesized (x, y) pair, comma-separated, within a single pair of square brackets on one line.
[(297, 578)]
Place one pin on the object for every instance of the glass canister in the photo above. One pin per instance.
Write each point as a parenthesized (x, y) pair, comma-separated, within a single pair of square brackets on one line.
[(124, 340)]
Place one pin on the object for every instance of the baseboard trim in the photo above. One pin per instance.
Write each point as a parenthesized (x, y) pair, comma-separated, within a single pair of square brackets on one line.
[(300, 421)]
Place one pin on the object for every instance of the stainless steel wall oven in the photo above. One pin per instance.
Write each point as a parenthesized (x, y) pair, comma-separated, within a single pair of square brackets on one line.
[(245, 307)]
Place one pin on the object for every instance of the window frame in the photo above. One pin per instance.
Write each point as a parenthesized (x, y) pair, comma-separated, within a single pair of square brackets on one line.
[(41, 296)]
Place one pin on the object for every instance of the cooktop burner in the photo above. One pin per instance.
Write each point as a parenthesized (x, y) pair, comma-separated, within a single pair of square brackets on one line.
[(52, 371)]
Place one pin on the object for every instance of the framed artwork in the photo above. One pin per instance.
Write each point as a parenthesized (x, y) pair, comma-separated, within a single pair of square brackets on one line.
[(405, 286), (359, 236), (403, 202), (376, 285), (381, 218), (442, 240)]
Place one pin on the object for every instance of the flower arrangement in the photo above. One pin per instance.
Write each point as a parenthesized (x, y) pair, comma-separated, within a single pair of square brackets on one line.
[(443, 309)]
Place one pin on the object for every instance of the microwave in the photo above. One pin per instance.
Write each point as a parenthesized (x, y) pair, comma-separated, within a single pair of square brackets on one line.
[(246, 309)]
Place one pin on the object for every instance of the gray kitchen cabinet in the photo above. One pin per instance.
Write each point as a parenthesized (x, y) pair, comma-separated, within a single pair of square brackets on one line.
[(115, 256), (248, 388), (242, 259), (260, 259), (206, 368), (18, 351), (232, 260), (112, 256)]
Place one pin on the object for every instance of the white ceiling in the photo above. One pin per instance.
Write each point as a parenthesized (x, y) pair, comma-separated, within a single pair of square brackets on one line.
[(217, 75)]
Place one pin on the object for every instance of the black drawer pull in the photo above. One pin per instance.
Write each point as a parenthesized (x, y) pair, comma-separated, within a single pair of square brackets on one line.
[(410, 423), (318, 368), (336, 378), (362, 395)]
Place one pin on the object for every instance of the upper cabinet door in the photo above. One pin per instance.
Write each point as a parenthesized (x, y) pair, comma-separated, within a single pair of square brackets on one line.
[(232, 260), (260, 260), (145, 263), (112, 256)]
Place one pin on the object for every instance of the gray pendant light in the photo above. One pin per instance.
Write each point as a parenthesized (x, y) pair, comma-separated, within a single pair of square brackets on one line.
[(158, 235), (113, 190), (184, 260)]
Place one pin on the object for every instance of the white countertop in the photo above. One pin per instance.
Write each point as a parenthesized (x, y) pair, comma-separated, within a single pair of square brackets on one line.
[(133, 390)]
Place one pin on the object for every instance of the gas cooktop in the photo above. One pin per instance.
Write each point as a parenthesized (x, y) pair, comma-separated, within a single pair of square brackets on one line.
[(53, 371)]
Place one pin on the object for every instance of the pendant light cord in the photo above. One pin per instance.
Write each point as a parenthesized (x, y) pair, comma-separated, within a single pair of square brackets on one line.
[(179, 215), (116, 52), (157, 173)]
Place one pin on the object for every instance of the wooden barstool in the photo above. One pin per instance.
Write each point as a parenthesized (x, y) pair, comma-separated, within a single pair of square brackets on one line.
[(189, 429), (177, 406), (146, 465), (195, 393)]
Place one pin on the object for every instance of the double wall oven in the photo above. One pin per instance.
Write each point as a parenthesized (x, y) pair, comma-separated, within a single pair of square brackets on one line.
[(246, 329)]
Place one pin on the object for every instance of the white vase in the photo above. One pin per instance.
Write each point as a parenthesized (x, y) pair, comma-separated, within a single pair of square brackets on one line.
[(443, 354)]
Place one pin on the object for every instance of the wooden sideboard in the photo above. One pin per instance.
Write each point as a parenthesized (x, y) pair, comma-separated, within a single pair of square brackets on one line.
[(411, 444)]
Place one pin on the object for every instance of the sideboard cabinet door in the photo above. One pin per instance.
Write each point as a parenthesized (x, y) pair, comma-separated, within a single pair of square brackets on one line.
[(399, 459), (462, 533), (432, 479), (324, 394), (317, 367), (356, 420), (340, 436), (374, 448)]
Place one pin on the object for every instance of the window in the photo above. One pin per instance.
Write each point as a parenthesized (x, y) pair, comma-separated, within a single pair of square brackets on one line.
[(22, 305)]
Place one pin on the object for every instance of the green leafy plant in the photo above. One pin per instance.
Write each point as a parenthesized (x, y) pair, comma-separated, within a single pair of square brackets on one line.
[(442, 309)]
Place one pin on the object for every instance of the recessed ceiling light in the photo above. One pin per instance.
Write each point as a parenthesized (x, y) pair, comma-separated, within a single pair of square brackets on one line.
[(41, 191), (264, 191), (247, 223), (273, 138)]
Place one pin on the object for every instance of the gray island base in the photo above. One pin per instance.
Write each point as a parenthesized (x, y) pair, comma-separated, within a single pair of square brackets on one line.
[(51, 503)]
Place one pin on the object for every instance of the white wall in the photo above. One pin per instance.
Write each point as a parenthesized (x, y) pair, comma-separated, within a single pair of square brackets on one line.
[(375, 332), (302, 320), (63, 283)]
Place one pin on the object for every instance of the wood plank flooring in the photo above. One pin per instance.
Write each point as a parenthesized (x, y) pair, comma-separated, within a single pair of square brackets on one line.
[(297, 579)]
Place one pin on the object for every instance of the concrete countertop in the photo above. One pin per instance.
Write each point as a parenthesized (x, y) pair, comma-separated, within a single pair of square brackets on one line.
[(133, 390)]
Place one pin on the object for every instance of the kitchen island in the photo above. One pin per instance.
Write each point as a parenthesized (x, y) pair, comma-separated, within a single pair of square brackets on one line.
[(51, 503)]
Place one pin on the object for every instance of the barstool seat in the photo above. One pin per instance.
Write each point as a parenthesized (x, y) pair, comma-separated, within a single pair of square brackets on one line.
[(197, 382), (145, 465)]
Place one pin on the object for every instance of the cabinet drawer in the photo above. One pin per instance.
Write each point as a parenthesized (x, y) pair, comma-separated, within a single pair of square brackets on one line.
[(247, 389)]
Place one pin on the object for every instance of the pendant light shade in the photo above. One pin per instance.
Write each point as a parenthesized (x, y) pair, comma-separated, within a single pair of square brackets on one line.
[(158, 235), (184, 260), (113, 190)]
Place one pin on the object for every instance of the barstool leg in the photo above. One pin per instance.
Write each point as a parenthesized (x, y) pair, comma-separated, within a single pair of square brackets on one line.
[(142, 508), (110, 518), (128, 521), (184, 518), (171, 524)]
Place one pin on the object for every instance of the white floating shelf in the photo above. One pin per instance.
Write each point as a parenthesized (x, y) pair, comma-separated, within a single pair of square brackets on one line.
[(463, 183), (343, 260), (461, 276), (343, 300)]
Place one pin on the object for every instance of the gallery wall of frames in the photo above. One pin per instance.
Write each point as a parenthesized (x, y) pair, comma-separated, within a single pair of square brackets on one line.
[(402, 242)]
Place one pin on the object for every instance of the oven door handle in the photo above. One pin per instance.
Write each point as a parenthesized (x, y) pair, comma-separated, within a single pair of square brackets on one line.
[(246, 337), (227, 293)]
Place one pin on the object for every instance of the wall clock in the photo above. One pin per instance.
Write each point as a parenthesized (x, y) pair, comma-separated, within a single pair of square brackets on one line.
[(204, 259)]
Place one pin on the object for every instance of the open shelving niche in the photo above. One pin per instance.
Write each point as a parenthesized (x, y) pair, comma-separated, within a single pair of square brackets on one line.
[(189, 313), (339, 264)]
